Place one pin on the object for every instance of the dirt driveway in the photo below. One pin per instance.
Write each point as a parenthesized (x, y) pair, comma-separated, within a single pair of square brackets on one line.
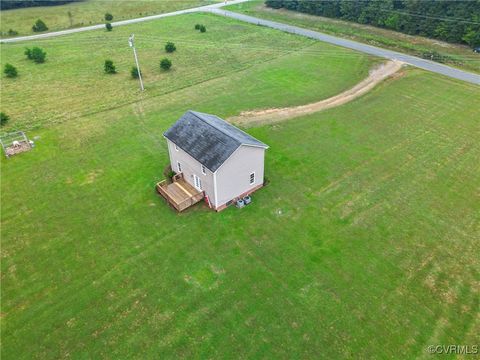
[(375, 76)]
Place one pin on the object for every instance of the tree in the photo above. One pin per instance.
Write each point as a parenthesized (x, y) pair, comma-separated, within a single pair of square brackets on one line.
[(197, 26), (109, 67), (453, 21), (39, 26), (170, 47), (472, 38), (203, 28), (165, 64), (4, 118), (16, 4), (10, 71), (37, 55), (108, 26), (275, 4), (108, 17), (135, 73), (12, 32)]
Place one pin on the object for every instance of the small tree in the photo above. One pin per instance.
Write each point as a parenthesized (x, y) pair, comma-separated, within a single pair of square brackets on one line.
[(12, 32), (203, 28), (4, 118), (28, 53), (108, 26), (108, 17), (165, 64), (472, 38), (10, 71), (39, 26), (109, 67), (170, 47), (135, 73), (37, 55), (197, 26)]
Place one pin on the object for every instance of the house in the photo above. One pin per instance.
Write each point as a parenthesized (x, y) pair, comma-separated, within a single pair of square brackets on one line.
[(215, 158)]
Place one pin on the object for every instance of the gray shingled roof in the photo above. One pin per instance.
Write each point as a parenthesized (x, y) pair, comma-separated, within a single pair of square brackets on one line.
[(208, 139)]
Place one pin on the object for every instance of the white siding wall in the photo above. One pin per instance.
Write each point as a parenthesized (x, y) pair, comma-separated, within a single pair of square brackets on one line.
[(233, 177), (190, 166)]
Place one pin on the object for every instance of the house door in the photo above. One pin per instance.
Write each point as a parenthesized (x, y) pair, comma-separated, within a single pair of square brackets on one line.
[(197, 182)]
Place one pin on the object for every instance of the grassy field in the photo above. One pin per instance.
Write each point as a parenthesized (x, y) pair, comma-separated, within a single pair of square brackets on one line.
[(363, 245), (455, 55), (88, 12), (75, 65)]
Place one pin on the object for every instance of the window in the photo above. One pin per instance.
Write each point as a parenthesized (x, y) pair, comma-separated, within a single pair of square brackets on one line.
[(252, 178), (197, 182), (179, 167), (176, 147), (204, 170)]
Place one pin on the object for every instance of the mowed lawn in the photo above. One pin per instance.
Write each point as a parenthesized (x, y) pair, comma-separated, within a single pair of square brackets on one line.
[(363, 245), (72, 81), (88, 12)]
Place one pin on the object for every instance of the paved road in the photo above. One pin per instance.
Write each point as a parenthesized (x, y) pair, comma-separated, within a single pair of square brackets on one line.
[(368, 49), (118, 23), (216, 9)]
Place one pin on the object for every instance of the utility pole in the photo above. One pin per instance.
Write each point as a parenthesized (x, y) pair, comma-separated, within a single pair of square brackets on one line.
[(132, 45)]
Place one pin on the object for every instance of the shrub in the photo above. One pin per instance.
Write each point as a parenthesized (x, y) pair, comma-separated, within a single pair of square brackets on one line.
[(171, 174), (39, 26), (203, 28), (37, 55), (109, 67), (165, 64), (4, 118), (170, 47), (108, 26), (167, 172), (12, 32), (108, 17), (28, 53), (10, 71), (434, 56), (135, 73), (197, 26)]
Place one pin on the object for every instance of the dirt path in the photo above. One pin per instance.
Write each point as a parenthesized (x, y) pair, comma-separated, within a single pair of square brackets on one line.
[(376, 75)]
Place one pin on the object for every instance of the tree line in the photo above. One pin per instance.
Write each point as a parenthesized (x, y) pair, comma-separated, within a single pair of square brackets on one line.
[(456, 21), (16, 4)]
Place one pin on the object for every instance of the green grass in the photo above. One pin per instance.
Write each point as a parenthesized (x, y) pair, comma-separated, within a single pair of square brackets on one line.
[(74, 67), (363, 245), (88, 12), (455, 55)]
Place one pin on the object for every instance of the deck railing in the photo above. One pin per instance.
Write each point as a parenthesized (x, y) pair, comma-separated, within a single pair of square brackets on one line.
[(162, 189), (189, 202)]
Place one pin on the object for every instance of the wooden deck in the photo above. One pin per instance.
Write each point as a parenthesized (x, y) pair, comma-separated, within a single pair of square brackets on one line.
[(179, 193)]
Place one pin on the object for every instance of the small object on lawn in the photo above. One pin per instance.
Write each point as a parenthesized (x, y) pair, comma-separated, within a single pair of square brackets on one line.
[(247, 200), (15, 143), (240, 204)]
